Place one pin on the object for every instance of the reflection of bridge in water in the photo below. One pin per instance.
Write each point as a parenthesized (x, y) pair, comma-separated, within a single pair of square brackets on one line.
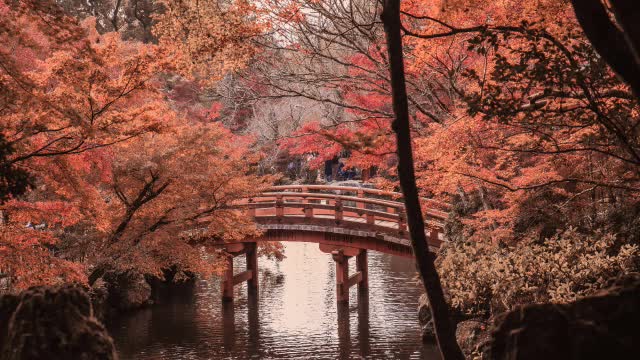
[(345, 221)]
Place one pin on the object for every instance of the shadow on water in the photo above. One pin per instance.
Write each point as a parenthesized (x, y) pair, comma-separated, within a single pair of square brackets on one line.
[(363, 324), (293, 316), (229, 326), (344, 330)]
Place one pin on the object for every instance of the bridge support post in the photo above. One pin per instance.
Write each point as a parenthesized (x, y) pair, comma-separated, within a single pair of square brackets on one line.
[(227, 280), (341, 255), (252, 265), (362, 266), (342, 275)]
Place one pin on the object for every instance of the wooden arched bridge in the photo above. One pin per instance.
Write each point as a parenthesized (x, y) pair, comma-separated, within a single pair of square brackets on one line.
[(344, 221)]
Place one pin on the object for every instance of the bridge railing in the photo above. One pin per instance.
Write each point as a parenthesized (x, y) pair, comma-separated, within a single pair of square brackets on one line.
[(361, 193), (377, 209)]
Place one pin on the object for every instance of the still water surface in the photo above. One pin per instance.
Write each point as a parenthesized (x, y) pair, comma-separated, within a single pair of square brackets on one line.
[(295, 316)]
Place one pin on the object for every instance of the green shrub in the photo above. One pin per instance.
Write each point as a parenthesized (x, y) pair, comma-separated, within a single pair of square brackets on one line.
[(484, 279)]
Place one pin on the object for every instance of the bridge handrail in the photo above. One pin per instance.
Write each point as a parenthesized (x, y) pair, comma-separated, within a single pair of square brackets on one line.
[(319, 196), (391, 194), (398, 206), (432, 219)]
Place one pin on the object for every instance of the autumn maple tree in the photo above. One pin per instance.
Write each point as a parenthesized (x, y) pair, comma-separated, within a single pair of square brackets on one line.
[(120, 178), (66, 91)]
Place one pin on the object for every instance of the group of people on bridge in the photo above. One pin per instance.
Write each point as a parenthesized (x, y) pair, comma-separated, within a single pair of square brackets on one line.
[(336, 170)]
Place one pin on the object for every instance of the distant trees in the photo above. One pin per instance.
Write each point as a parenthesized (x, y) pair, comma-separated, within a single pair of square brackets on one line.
[(330, 53), (207, 38), (134, 19)]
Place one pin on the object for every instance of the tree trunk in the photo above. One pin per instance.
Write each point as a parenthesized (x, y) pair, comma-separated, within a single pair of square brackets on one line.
[(616, 43), (445, 332)]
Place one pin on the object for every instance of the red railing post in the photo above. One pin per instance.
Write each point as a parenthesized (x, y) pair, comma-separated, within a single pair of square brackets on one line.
[(402, 221), (338, 209), (252, 210), (371, 220), (360, 205), (279, 206), (308, 211)]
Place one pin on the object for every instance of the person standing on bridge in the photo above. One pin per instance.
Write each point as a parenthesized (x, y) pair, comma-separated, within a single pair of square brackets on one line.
[(328, 170), (331, 169)]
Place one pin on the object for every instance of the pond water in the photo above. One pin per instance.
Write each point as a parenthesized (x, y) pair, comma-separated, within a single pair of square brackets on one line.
[(294, 317)]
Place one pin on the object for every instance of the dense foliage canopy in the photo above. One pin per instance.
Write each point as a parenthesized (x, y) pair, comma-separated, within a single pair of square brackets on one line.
[(120, 172), (129, 127)]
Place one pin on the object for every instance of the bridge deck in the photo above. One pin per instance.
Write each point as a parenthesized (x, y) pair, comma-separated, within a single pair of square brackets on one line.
[(366, 218)]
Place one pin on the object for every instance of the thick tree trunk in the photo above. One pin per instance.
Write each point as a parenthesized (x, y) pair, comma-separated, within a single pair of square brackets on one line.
[(616, 43), (445, 332)]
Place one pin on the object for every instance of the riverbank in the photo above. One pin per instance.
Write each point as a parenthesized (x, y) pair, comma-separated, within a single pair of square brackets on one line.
[(113, 293)]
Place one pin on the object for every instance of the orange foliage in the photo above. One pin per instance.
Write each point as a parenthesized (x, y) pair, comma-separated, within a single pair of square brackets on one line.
[(172, 191), (119, 179)]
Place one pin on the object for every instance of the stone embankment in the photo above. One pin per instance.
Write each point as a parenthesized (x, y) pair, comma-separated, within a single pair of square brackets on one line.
[(52, 323), (601, 326)]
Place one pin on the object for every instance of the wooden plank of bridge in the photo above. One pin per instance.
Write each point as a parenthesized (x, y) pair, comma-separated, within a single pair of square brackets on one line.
[(235, 248), (347, 251)]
